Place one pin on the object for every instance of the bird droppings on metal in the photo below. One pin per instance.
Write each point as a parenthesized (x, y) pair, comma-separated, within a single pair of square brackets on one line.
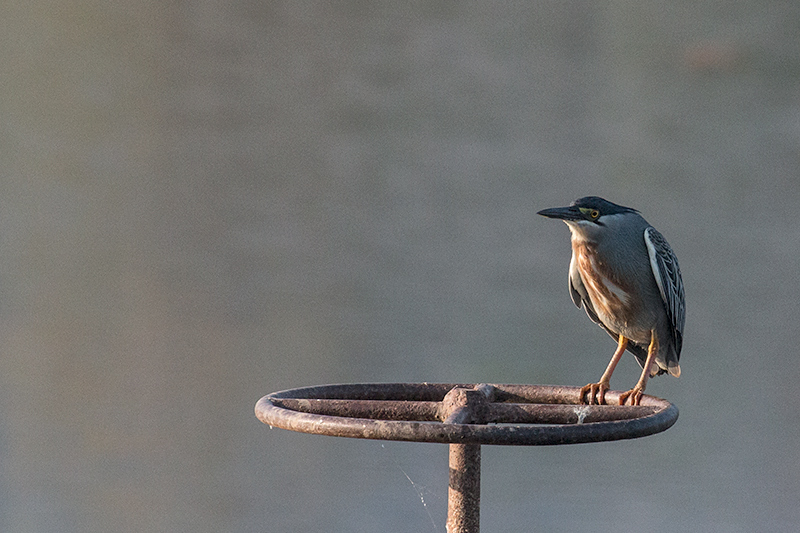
[(582, 413)]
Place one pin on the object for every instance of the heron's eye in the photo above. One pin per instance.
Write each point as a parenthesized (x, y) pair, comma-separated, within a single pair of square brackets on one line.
[(594, 213)]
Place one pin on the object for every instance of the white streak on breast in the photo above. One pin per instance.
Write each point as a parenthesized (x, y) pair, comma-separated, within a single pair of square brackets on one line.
[(598, 293)]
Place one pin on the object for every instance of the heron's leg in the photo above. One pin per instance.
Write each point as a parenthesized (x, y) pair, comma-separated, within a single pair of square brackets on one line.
[(597, 391), (635, 394)]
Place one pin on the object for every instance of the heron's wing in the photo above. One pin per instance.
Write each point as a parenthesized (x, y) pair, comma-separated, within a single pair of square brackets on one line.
[(668, 278), (578, 293)]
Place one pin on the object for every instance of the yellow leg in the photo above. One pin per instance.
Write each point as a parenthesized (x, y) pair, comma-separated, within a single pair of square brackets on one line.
[(635, 394), (597, 391)]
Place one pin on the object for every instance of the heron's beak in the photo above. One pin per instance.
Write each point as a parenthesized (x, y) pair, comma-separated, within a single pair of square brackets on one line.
[(562, 213)]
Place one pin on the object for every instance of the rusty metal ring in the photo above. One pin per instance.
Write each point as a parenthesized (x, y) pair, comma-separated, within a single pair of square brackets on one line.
[(462, 413)]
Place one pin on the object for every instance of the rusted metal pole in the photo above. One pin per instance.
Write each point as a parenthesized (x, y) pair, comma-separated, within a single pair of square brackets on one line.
[(465, 406), (464, 492)]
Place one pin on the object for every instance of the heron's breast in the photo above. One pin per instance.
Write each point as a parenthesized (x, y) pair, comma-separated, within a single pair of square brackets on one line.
[(612, 298)]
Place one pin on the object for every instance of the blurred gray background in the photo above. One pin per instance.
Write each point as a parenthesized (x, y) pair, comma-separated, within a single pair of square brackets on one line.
[(204, 202)]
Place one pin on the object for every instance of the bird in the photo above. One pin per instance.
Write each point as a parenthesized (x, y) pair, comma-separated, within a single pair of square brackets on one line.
[(627, 278)]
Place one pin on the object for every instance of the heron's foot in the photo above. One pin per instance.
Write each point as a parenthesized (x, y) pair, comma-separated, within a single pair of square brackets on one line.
[(594, 393), (635, 395)]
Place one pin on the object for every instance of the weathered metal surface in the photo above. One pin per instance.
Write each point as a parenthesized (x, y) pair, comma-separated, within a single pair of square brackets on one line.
[(465, 406), (376, 409), (530, 414), (464, 489), (493, 413)]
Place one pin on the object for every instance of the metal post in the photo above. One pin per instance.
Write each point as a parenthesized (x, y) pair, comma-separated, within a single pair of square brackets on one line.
[(464, 492)]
